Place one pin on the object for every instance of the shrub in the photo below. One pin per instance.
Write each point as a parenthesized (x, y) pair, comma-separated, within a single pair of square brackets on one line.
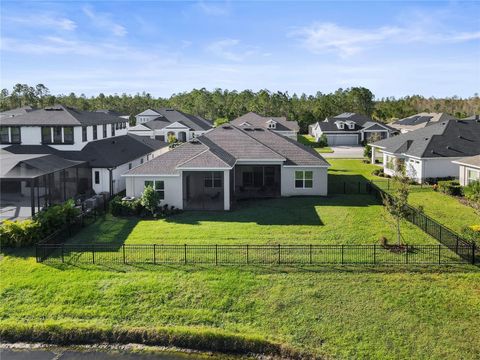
[(450, 187), (20, 233), (323, 141), (472, 233), (367, 151), (118, 207), (378, 172), (150, 199), (472, 191)]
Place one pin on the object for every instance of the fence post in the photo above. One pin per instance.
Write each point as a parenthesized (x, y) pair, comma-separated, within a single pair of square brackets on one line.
[(406, 254), (439, 253), (154, 254), (93, 253), (456, 244), (247, 254), (440, 237), (185, 254), (216, 254), (374, 253), (342, 254), (278, 253), (124, 257), (311, 254), (473, 253), (63, 258)]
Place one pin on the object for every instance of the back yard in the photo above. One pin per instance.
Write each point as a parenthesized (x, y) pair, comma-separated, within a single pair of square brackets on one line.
[(328, 312)]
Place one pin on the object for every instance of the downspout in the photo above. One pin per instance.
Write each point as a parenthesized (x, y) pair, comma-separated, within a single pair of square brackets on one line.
[(110, 180)]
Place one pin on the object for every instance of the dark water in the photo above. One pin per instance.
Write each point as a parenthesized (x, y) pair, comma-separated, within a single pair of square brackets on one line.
[(59, 354)]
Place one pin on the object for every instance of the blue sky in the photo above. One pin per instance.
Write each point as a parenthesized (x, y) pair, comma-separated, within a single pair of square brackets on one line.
[(393, 48)]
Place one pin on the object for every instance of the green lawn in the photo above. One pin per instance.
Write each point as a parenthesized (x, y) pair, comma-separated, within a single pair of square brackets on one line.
[(447, 210), (310, 141), (340, 312), (312, 220)]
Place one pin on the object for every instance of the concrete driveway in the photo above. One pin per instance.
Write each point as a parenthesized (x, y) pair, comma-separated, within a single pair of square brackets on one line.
[(345, 152)]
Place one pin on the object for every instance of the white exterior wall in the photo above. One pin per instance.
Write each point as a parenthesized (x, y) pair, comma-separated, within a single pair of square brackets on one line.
[(463, 176), (31, 135), (414, 169), (289, 134), (173, 188), (440, 168), (320, 181)]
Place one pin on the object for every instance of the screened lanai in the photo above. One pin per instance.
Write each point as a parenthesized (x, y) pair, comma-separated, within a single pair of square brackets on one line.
[(29, 182)]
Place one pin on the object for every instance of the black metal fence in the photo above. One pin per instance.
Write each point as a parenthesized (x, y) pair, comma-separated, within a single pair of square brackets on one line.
[(251, 254)]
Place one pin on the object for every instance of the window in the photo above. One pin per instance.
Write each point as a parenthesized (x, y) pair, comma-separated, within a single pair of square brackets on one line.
[(57, 135), (390, 163), (141, 161), (113, 129), (84, 133), (5, 138), (97, 177), (303, 179), (160, 189), (46, 135), (68, 135), (158, 185), (104, 131), (94, 132), (116, 126), (15, 134), (130, 166), (472, 176), (213, 180), (272, 125)]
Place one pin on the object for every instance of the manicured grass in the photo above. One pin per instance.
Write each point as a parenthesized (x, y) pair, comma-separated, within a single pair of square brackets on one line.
[(447, 210), (333, 312), (329, 312), (337, 219), (310, 141)]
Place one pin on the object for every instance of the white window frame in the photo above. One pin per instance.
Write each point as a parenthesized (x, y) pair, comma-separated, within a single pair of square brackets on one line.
[(472, 176), (303, 179), (160, 189)]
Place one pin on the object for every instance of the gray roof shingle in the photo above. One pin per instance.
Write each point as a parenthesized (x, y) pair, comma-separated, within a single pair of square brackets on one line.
[(258, 121), (452, 138), (60, 115)]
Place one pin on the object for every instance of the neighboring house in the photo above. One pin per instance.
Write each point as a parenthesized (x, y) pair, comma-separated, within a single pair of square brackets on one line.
[(428, 153), (473, 117), (18, 111), (349, 129), (230, 163), (469, 169), (419, 121), (94, 142), (160, 123), (279, 125)]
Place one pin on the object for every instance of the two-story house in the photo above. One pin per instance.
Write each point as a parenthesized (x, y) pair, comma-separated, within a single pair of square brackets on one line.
[(279, 125), (52, 154), (161, 123)]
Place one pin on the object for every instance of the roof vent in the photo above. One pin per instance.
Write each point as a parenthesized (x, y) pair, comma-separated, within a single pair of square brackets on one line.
[(226, 127), (258, 129), (195, 141), (248, 129)]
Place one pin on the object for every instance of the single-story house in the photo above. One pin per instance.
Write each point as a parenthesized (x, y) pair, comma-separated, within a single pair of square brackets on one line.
[(230, 163), (469, 169), (430, 152), (279, 125), (419, 121), (160, 123), (349, 129)]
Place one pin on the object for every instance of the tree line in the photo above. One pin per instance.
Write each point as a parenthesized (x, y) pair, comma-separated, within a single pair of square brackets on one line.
[(224, 105)]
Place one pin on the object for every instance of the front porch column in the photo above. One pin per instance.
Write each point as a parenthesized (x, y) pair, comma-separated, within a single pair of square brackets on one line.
[(226, 189), (373, 155)]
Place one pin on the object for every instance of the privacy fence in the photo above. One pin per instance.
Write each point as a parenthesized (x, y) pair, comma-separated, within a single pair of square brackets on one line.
[(252, 254)]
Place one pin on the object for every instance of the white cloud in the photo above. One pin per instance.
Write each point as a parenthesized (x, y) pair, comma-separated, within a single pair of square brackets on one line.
[(44, 20), (330, 37), (228, 49), (213, 9), (104, 21)]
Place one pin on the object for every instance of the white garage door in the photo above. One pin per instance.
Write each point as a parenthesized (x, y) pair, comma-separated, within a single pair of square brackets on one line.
[(338, 140)]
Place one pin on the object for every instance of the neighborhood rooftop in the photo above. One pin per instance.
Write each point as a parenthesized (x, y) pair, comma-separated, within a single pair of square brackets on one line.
[(60, 115), (223, 146), (452, 138), (168, 116), (254, 120)]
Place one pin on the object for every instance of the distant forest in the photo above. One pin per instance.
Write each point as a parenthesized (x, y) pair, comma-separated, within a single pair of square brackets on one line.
[(223, 105)]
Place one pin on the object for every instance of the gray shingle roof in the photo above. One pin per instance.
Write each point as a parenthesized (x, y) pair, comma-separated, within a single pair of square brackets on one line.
[(361, 122), (191, 121), (224, 145), (452, 138), (105, 153), (59, 115), (16, 112), (472, 161), (258, 121)]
